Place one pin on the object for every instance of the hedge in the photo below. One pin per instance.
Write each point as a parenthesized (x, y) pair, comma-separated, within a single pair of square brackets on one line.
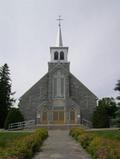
[(98, 147), (14, 115), (25, 147)]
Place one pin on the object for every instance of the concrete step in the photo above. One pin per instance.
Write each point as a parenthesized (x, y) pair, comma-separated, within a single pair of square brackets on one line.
[(59, 126)]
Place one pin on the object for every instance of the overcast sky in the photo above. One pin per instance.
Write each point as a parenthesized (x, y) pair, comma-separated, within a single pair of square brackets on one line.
[(91, 30)]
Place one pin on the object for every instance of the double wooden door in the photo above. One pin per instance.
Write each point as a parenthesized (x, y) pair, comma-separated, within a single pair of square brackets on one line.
[(58, 117)]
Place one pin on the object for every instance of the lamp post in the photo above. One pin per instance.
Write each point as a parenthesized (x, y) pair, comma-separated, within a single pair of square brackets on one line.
[(78, 117)]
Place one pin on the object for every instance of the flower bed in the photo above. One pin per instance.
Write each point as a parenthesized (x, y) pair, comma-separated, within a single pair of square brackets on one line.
[(99, 147), (25, 147)]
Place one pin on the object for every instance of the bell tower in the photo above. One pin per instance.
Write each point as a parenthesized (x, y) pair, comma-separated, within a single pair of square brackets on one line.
[(59, 52), (58, 69)]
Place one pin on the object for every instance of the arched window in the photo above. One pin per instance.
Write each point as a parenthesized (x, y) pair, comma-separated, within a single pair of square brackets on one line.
[(61, 55), (56, 55), (58, 85)]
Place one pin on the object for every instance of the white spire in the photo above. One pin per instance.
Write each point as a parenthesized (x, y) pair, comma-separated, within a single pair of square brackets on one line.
[(59, 42)]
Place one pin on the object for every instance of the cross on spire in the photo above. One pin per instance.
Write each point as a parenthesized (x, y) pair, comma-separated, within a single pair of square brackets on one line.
[(59, 19), (59, 42)]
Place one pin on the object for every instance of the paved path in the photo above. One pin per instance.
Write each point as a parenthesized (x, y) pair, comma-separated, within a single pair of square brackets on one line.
[(60, 145)]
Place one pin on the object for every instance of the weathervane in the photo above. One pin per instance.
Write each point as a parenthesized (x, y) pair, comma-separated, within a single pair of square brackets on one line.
[(59, 19)]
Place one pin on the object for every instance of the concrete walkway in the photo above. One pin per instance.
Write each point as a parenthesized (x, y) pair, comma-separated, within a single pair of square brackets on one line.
[(60, 145)]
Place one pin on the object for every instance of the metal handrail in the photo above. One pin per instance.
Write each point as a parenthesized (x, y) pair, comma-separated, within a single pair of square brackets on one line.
[(86, 123), (31, 123), (21, 125)]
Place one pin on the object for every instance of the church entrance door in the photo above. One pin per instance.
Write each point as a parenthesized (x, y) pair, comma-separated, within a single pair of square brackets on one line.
[(58, 117), (44, 117), (72, 117)]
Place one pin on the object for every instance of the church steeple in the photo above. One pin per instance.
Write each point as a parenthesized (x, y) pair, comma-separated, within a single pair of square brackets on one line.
[(59, 52), (59, 42)]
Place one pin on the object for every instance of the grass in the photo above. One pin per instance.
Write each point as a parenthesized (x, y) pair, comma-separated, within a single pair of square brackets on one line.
[(111, 134), (8, 137), (100, 144), (21, 145)]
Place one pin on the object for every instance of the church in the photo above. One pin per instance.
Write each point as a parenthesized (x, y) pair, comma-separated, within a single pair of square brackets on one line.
[(58, 97)]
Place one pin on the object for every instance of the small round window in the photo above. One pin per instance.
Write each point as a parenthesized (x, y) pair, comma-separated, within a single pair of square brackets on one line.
[(56, 55), (61, 55)]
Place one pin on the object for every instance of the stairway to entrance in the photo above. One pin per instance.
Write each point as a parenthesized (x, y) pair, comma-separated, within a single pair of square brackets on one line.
[(60, 126), (60, 145), (30, 124)]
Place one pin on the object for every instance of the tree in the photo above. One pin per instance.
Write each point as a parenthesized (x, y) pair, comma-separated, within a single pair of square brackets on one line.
[(6, 99), (104, 112), (116, 121), (117, 88), (14, 115)]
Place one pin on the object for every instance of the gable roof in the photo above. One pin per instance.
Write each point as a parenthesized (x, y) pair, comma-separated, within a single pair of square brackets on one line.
[(29, 90), (83, 85)]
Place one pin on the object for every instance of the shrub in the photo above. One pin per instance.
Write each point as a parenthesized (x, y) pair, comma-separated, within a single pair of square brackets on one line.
[(98, 147), (24, 148), (85, 139), (102, 148), (14, 115), (75, 132)]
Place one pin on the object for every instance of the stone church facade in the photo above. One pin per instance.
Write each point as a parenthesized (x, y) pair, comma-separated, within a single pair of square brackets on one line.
[(58, 97)]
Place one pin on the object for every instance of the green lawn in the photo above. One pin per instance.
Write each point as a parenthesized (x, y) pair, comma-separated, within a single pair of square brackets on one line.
[(113, 134), (9, 137)]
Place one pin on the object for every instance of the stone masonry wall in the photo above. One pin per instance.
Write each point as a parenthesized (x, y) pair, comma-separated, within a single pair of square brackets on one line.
[(83, 97), (33, 97), (76, 95)]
